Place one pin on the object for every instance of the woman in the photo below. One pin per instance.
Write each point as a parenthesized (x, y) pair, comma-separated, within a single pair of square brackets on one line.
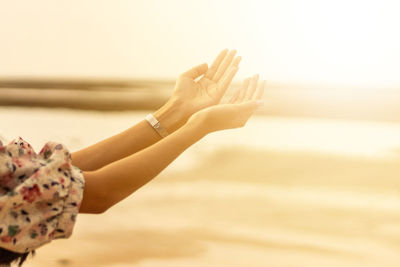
[(41, 194)]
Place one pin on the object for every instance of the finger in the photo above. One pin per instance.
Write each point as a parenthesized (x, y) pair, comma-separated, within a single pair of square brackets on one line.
[(243, 90), (224, 83), (260, 91), (252, 87), (224, 66), (234, 96), (195, 72), (215, 65), (235, 64)]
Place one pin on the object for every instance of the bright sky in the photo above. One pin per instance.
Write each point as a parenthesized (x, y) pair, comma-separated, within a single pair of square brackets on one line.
[(338, 41)]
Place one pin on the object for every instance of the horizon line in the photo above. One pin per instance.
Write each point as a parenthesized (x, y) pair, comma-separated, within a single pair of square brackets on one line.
[(80, 82)]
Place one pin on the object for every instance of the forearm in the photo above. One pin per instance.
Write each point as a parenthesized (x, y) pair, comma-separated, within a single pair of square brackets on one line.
[(129, 141), (194, 90), (114, 182)]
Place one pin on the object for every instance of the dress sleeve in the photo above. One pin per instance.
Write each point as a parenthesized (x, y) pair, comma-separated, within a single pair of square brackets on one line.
[(41, 195)]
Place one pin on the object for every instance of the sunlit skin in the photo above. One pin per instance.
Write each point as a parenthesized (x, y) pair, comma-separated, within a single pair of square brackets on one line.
[(116, 167), (188, 97)]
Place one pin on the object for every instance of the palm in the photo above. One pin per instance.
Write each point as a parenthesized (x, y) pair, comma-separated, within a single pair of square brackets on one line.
[(209, 89), (237, 110), (200, 94)]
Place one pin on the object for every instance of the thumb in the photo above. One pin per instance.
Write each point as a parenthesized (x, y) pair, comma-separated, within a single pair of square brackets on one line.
[(245, 111), (196, 71)]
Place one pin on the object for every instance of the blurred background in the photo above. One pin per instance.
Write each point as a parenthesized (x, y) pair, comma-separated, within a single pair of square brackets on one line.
[(312, 180)]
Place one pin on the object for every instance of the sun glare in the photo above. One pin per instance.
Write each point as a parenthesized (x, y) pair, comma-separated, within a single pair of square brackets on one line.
[(336, 42), (346, 42)]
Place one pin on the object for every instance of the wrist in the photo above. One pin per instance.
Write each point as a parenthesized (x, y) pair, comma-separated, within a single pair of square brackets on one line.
[(200, 123), (171, 116), (197, 126)]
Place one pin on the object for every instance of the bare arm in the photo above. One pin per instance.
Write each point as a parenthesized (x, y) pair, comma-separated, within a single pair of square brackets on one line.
[(112, 183), (127, 142), (190, 95)]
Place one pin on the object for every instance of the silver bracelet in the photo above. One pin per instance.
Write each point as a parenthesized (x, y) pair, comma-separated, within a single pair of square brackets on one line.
[(156, 125)]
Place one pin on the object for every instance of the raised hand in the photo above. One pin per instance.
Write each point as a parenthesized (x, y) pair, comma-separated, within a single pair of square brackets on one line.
[(201, 87), (236, 112)]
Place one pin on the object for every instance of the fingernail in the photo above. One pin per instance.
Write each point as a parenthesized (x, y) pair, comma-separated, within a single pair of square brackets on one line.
[(260, 102)]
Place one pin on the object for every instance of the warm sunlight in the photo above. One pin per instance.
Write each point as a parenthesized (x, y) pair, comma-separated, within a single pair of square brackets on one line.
[(337, 42), (112, 126)]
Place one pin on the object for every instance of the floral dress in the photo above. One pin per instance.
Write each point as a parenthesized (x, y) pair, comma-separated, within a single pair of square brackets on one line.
[(40, 195)]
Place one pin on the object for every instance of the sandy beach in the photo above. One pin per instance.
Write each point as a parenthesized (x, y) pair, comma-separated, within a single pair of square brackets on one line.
[(313, 180), (280, 192)]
